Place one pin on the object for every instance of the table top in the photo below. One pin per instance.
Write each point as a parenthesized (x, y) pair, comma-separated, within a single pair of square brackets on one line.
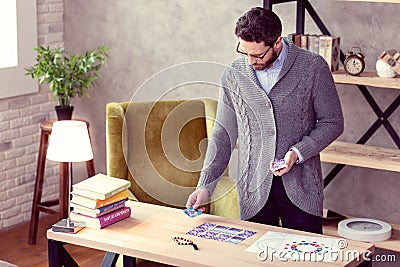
[(148, 234)]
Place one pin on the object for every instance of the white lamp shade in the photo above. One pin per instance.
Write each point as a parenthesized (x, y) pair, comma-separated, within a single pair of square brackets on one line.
[(69, 142)]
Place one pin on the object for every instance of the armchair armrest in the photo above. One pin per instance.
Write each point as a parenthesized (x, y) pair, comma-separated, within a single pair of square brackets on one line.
[(116, 165), (224, 201)]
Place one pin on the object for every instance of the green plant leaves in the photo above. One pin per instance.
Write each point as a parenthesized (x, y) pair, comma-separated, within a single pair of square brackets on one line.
[(68, 74)]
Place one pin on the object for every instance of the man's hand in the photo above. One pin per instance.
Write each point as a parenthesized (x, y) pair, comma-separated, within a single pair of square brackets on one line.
[(290, 159), (198, 198)]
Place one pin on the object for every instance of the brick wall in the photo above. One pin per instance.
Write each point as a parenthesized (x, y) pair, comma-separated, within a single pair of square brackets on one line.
[(20, 132)]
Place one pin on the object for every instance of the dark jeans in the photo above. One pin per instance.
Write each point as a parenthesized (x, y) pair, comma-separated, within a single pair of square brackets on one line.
[(280, 206)]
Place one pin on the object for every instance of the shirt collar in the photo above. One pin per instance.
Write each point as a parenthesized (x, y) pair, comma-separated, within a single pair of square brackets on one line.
[(278, 63)]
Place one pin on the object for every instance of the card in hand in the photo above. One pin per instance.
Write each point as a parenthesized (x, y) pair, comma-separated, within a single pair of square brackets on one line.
[(279, 164), (191, 212)]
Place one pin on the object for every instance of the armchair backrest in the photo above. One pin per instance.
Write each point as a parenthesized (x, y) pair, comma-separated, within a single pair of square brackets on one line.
[(159, 146)]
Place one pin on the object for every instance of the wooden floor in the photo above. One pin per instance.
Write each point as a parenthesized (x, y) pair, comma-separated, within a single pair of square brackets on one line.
[(14, 247)]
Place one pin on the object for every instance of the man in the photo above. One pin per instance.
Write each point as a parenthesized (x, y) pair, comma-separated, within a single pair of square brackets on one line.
[(278, 102)]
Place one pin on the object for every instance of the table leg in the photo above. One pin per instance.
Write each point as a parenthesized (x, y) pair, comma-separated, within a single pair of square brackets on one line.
[(110, 259), (58, 256), (54, 253), (129, 261)]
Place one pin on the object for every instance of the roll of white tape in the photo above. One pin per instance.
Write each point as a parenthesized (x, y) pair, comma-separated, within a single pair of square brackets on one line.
[(364, 229)]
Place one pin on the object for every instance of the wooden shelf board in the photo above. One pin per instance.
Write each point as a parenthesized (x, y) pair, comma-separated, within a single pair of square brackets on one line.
[(375, 1), (362, 156), (330, 228), (367, 78)]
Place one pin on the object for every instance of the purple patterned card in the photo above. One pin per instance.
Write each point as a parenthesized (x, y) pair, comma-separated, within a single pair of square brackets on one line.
[(235, 239), (222, 237), (208, 235), (201, 228), (233, 231), (219, 228), (246, 234)]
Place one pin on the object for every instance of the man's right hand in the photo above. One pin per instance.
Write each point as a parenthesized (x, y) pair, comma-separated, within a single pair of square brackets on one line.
[(198, 198)]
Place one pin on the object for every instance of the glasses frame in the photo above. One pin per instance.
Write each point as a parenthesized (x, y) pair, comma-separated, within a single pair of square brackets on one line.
[(261, 58)]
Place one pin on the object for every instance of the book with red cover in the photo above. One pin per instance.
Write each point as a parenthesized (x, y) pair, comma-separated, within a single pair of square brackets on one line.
[(102, 221)]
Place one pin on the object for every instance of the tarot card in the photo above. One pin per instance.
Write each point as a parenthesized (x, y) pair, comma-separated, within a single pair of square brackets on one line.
[(191, 212), (232, 231), (235, 239), (222, 237), (208, 235), (246, 234), (219, 228), (201, 229), (279, 164)]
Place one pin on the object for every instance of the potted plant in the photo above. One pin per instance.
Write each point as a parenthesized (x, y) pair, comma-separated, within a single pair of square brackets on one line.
[(68, 74)]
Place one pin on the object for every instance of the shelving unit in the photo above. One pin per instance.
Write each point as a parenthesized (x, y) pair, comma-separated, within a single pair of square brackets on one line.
[(367, 78), (362, 156), (355, 154), (358, 154)]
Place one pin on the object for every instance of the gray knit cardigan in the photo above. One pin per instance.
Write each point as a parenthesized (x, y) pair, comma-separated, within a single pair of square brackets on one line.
[(302, 110)]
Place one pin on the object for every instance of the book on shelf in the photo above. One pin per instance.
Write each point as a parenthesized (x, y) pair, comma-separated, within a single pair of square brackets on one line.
[(297, 40), (326, 46), (304, 41), (100, 211), (332, 52), (102, 221), (322, 46), (100, 186), (93, 203)]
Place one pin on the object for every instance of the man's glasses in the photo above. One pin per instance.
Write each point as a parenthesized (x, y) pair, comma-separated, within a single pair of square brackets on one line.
[(256, 57)]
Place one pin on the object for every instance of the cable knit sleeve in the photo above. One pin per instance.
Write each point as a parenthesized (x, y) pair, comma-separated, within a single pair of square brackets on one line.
[(329, 118)]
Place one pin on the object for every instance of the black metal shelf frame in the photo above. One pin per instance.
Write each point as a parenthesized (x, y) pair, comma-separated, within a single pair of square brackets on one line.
[(383, 116)]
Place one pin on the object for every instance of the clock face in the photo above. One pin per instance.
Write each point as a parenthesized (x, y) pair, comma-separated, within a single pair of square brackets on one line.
[(354, 65), (364, 226)]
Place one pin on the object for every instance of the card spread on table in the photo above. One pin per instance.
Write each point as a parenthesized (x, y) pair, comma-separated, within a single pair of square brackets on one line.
[(221, 233), (191, 212)]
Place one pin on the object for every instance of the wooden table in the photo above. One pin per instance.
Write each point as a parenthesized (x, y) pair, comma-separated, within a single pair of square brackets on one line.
[(148, 234)]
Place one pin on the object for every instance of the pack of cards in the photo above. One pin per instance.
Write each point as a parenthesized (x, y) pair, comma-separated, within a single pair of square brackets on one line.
[(278, 164), (191, 212)]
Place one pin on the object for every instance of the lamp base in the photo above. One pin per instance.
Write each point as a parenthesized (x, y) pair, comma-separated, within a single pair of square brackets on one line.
[(68, 226)]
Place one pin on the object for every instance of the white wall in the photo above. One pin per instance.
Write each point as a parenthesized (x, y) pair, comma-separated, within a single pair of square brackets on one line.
[(19, 131)]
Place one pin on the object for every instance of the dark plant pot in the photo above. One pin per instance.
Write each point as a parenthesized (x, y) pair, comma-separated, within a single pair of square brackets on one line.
[(64, 113)]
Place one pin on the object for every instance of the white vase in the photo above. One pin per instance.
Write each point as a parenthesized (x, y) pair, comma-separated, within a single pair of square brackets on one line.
[(384, 70)]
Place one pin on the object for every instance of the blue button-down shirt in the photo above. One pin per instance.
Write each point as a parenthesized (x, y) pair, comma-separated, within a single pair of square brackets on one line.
[(269, 76)]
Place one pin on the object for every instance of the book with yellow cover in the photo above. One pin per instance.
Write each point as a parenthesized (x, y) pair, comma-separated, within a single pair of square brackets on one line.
[(97, 203), (100, 186)]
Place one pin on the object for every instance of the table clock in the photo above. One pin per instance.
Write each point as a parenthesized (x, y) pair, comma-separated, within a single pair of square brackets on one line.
[(364, 229), (354, 63)]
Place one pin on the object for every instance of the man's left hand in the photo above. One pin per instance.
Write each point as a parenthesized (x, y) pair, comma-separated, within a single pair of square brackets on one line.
[(290, 159)]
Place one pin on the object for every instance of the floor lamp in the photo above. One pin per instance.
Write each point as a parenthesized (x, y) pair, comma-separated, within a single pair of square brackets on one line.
[(69, 142)]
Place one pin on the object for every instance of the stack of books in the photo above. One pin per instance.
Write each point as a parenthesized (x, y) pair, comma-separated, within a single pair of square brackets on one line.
[(99, 201), (326, 46)]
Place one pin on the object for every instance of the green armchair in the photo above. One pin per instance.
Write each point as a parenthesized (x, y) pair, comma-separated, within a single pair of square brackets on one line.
[(160, 147)]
